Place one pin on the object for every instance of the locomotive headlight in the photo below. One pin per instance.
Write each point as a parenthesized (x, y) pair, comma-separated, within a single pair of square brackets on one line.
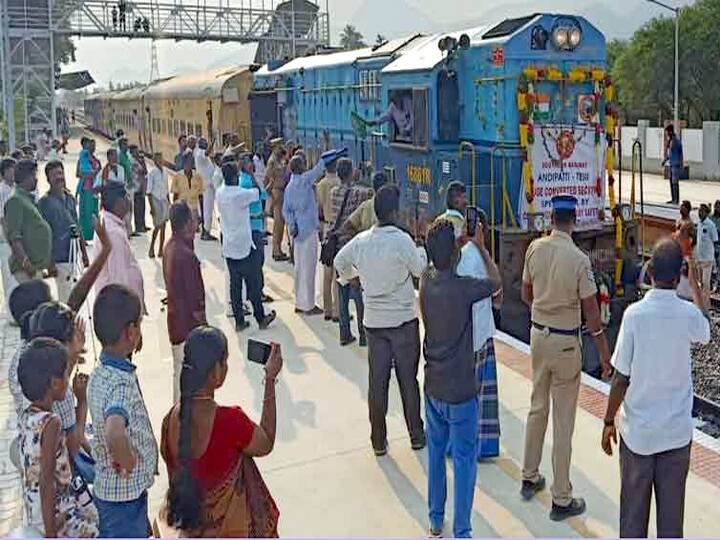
[(575, 37), (561, 37)]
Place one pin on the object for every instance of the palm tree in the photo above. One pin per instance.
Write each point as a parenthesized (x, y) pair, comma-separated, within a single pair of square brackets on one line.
[(350, 38)]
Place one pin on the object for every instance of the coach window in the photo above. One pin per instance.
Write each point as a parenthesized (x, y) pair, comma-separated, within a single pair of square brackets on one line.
[(407, 117)]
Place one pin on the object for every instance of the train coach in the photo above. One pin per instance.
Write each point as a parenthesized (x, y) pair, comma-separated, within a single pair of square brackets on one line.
[(207, 104), (519, 111)]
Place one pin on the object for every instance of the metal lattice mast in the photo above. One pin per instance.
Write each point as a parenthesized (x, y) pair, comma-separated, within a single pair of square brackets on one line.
[(154, 65)]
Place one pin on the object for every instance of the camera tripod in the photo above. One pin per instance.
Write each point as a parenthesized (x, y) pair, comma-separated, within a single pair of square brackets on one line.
[(77, 269)]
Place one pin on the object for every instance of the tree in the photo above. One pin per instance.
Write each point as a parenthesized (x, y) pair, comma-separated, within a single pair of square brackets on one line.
[(380, 40), (350, 38), (643, 68)]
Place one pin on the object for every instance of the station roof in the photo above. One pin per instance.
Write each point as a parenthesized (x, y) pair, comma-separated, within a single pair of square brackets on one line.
[(204, 84), (318, 60)]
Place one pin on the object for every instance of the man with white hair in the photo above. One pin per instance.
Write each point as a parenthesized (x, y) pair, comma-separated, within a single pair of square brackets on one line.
[(300, 213)]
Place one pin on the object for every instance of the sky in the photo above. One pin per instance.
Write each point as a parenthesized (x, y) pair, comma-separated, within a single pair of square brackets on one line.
[(121, 60)]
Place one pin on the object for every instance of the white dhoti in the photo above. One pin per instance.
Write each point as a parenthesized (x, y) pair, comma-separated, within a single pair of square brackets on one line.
[(306, 258), (208, 206), (8, 281)]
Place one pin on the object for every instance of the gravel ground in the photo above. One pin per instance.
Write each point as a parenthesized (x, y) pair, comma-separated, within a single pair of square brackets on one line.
[(706, 374), (706, 364)]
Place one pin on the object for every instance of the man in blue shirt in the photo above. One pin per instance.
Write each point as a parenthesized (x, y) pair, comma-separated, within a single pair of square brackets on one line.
[(257, 215), (674, 157)]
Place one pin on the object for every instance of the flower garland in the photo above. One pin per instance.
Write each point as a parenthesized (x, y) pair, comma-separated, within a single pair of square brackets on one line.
[(603, 89)]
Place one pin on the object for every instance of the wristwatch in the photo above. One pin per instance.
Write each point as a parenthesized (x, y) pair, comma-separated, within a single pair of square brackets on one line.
[(609, 423)]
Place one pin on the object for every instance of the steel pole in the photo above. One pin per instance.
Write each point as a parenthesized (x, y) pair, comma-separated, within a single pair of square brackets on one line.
[(676, 105), (6, 74)]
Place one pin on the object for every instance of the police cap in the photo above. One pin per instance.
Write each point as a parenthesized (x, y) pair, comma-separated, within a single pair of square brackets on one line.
[(566, 203)]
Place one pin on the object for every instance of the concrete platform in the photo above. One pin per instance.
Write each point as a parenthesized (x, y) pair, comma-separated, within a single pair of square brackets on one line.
[(323, 474)]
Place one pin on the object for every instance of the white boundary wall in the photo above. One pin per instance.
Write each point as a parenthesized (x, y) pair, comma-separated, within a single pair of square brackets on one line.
[(701, 148)]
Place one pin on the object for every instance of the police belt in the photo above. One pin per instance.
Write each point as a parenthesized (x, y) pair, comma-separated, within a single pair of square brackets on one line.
[(550, 330)]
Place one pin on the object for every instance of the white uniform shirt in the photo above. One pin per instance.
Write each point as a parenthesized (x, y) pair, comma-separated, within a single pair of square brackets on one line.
[(653, 350), (472, 265), (234, 206), (259, 169), (204, 166), (6, 191), (386, 259), (157, 183), (707, 235)]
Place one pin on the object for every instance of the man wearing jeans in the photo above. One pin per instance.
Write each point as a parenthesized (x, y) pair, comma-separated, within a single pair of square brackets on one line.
[(387, 259), (241, 254), (674, 157), (344, 200), (653, 382), (451, 404)]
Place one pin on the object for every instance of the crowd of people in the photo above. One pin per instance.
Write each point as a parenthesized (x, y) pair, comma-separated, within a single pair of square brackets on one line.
[(322, 213)]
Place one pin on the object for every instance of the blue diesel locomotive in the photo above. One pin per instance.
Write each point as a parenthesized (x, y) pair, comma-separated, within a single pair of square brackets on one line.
[(518, 111)]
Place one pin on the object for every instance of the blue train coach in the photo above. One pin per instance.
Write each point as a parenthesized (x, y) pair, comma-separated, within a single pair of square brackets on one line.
[(518, 110)]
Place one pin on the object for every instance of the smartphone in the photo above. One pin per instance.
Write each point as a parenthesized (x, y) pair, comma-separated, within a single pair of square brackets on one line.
[(258, 351), (471, 220)]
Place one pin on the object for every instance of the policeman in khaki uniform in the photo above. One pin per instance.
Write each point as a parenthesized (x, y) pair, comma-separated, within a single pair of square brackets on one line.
[(557, 282)]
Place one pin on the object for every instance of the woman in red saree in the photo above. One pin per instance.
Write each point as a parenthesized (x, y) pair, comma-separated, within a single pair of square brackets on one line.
[(215, 488)]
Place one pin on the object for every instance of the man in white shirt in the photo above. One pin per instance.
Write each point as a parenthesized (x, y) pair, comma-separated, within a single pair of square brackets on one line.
[(205, 166), (387, 259), (653, 382), (707, 235), (472, 265), (241, 254), (159, 198)]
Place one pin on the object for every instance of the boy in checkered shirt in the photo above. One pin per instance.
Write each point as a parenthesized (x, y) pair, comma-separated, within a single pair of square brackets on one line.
[(125, 448)]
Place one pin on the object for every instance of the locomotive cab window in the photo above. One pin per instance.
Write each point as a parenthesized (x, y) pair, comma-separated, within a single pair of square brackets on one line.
[(407, 117)]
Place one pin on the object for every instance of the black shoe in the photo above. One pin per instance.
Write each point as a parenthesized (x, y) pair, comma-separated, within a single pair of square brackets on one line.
[(363, 341), (267, 321), (575, 508), (329, 317), (240, 326), (314, 311), (379, 452), (281, 257), (417, 446), (529, 489), (246, 310), (348, 341), (670, 202), (207, 237), (266, 298)]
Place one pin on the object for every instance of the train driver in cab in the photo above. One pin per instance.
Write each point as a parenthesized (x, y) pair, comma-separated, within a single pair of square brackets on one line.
[(400, 114)]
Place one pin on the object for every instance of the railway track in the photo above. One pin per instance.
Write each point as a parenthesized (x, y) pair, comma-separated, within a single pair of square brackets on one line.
[(659, 221)]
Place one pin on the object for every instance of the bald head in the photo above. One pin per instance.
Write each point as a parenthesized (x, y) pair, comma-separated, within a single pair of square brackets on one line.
[(666, 262)]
